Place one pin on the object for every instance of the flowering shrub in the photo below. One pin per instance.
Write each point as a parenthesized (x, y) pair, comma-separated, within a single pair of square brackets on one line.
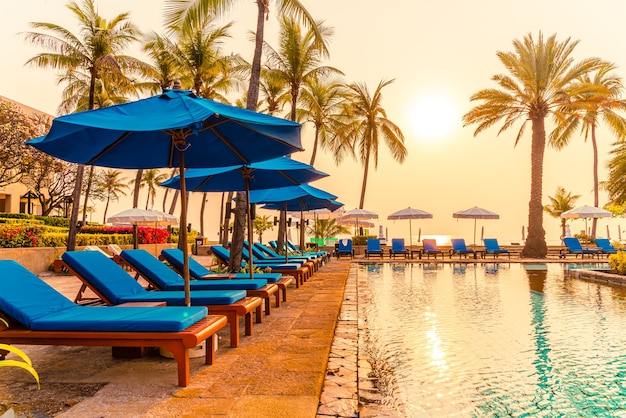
[(147, 235), (618, 262), (15, 236)]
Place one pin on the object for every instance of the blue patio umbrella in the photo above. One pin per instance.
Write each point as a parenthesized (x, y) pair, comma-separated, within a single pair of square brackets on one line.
[(302, 197), (277, 172), (172, 129)]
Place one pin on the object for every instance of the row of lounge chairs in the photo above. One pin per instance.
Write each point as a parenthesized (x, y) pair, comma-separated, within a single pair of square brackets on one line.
[(574, 247), (135, 316), (429, 248)]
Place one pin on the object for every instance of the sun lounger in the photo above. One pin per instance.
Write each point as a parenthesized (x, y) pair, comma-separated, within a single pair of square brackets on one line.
[(39, 315), (161, 277), (325, 255), (398, 248), (574, 247), (459, 247), (174, 256), (344, 248), (373, 248), (492, 247), (430, 248), (298, 272), (262, 254), (605, 246), (115, 286), (260, 258)]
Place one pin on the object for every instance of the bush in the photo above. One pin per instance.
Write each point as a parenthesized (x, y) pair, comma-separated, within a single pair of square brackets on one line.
[(15, 236), (618, 263)]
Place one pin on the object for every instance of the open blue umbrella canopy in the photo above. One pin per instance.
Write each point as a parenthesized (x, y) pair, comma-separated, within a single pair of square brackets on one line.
[(283, 194), (277, 172), (172, 129), (147, 134)]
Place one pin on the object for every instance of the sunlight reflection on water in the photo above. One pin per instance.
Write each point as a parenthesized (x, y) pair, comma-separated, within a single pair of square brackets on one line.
[(495, 339)]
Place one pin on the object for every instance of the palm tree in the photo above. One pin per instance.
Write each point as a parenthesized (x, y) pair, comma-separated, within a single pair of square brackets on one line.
[(599, 98), (542, 80), (151, 178), (96, 50), (298, 57), (113, 186), (262, 224), (275, 91), (615, 185), (327, 228), (181, 14), (367, 126), (562, 201), (321, 101)]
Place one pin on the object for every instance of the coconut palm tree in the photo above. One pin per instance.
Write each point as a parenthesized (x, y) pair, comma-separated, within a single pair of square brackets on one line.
[(321, 101), (542, 79), (298, 57), (181, 14), (113, 185), (327, 228), (615, 185), (367, 127), (97, 49), (274, 92), (562, 201), (151, 178), (599, 100)]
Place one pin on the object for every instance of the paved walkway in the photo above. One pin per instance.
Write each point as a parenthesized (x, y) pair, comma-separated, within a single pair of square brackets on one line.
[(279, 371)]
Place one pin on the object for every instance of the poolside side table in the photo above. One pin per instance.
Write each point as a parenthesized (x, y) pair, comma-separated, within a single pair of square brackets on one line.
[(479, 254), (415, 251)]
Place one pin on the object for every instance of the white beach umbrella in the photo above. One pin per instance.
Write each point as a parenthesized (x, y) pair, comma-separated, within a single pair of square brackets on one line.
[(586, 212), (358, 217), (410, 213), (475, 213)]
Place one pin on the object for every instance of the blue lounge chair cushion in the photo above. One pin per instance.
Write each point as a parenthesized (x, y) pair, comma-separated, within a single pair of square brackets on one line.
[(174, 256), (492, 246), (397, 246), (39, 307), (261, 255), (165, 278), (605, 246), (574, 247), (119, 287)]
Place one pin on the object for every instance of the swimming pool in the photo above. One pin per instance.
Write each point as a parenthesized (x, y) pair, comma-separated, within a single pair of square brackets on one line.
[(493, 340)]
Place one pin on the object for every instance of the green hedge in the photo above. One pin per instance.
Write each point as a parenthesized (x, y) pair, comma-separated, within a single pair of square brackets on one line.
[(47, 220)]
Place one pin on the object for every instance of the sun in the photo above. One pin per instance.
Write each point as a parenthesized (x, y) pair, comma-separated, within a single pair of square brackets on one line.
[(434, 116)]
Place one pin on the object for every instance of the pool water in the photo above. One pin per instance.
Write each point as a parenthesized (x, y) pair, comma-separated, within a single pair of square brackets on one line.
[(493, 340)]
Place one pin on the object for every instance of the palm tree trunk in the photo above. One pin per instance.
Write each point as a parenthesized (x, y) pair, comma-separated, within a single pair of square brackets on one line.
[(87, 193), (535, 246), (202, 207), (596, 194), (106, 209), (174, 202), (315, 143), (137, 187), (364, 185), (78, 186), (253, 98)]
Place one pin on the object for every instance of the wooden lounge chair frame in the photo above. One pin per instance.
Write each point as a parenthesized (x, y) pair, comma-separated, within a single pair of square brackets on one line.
[(178, 343), (266, 292), (282, 284), (243, 307)]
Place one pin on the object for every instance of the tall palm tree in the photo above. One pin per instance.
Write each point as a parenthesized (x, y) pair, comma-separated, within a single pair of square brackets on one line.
[(542, 80), (321, 102), (367, 128), (298, 57), (98, 48), (327, 228), (562, 201), (599, 99), (615, 185), (113, 186), (151, 178), (180, 14), (274, 91)]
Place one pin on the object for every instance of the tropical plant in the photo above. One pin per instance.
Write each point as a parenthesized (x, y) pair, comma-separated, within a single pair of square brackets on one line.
[(96, 50), (181, 14), (562, 201), (327, 228), (113, 186), (321, 101), (367, 127), (25, 364), (542, 80), (262, 224), (598, 99), (150, 178)]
